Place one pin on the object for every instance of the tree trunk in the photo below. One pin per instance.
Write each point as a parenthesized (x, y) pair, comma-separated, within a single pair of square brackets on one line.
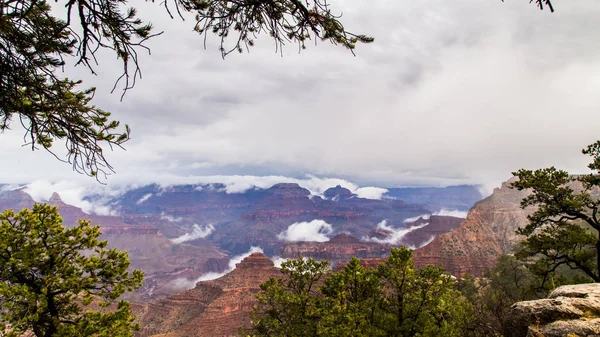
[(598, 256), (53, 311)]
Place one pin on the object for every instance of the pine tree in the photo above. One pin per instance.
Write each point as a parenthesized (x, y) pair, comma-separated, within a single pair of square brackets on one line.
[(564, 229), (58, 281)]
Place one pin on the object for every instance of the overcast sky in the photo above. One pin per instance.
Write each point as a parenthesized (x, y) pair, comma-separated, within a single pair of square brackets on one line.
[(450, 92)]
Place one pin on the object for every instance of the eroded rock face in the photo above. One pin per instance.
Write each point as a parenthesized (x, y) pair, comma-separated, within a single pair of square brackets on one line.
[(213, 308), (337, 251), (487, 232), (436, 225), (572, 310)]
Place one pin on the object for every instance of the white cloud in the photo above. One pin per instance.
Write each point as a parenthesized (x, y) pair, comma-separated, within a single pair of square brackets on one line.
[(424, 243), (316, 230), (452, 212), (395, 234), (9, 187), (371, 192), (467, 71), (277, 261), (183, 283), (197, 233), (415, 218), (167, 217), (144, 198), (73, 193)]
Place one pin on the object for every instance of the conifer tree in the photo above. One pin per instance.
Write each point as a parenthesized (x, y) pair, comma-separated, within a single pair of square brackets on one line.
[(564, 229), (396, 299), (61, 282)]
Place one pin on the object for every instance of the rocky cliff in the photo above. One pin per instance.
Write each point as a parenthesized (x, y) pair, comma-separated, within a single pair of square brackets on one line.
[(487, 232), (344, 246), (213, 308), (572, 310), (436, 225), (339, 250)]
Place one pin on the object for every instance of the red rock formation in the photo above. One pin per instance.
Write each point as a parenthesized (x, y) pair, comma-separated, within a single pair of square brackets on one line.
[(214, 308), (338, 251), (487, 232), (136, 230), (436, 225)]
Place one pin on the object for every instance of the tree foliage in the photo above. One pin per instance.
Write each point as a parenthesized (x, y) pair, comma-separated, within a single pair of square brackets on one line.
[(564, 229), (58, 281), (394, 300), (492, 296), (291, 304)]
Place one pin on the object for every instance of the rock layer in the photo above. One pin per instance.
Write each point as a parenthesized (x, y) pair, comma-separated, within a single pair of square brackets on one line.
[(213, 308), (337, 251), (487, 232), (572, 310)]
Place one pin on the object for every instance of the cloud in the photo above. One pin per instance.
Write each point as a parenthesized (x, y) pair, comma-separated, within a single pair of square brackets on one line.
[(316, 230), (452, 212), (197, 233), (424, 243), (277, 261), (9, 187), (74, 193), (395, 234), (464, 78), (183, 283), (371, 192), (144, 198), (167, 217), (415, 218)]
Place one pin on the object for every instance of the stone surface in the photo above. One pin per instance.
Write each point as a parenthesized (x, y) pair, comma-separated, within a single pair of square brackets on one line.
[(337, 193), (568, 310), (436, 225), (213, 308), (337, 251), (487, 232)]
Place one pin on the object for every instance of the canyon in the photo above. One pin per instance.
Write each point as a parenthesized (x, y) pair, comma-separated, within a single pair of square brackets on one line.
[(486, 233), (186, 232), (184, 239)]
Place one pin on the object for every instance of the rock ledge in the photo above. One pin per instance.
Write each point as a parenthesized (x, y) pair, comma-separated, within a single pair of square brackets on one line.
[(572, 310)]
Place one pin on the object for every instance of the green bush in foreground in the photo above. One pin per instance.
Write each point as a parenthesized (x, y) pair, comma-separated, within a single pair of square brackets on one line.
[(394, 300)]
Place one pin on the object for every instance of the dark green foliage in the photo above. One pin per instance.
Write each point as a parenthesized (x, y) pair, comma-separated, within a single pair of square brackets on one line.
[(352, 300), (285, 21), (291, 305), (394, 300), (58, 281), (420, 302), (492, 296), (33, 45), (564, 230)]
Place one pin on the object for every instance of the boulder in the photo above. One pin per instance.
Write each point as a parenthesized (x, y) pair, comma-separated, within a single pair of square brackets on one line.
[(572, 310)]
